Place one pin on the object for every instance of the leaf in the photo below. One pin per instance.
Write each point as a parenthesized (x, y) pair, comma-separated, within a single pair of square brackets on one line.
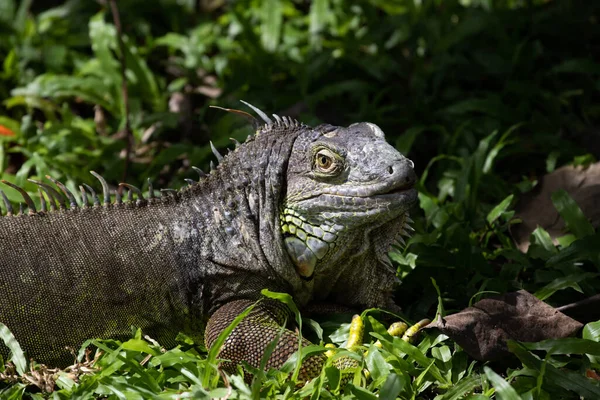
[(17, 355), (272, 19), (537, 209), (288, 301), (577, 66), (566, 346), (482, 329), (493, 153), (572, 214), (543, 238), (318, 17), (591, 331), (587, 248), (314, 325), (140, 345), (14, 392), (570, 281), (89, 89), (333, 377), (392, 387), (376, 363), (563, 378), (20, 18), (7, 10), (145, 79), (499, 209), (418, 356), (360, 393), (462, 388), (503, 388)]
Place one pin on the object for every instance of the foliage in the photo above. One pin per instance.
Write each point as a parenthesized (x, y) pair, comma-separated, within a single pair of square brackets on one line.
[(483, 95)]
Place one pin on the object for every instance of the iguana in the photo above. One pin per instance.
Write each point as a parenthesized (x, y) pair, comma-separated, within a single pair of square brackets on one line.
[(310, 211)]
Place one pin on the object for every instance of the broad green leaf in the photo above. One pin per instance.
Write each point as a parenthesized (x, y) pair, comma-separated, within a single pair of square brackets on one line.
[(17, 355), (140, 345), (499, 209), (570, 281), (392, 386), (574, 218), (318, 17), (543, 238), (591, 331), (376, 363), (14, 392), (503, 388), (361, 393), (272, 18), (333, 377), (442, 353), (566, 346)]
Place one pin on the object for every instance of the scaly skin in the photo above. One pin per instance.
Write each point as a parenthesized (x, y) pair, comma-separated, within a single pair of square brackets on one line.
[(307, 211)]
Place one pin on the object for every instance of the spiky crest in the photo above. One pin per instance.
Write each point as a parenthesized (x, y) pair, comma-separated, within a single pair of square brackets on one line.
[(54, 196)]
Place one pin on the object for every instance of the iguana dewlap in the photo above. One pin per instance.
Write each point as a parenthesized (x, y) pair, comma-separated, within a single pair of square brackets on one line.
[(311, 211)]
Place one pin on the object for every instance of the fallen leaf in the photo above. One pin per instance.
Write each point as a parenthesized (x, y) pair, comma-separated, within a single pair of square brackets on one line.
[(536, 208), (482, 329)]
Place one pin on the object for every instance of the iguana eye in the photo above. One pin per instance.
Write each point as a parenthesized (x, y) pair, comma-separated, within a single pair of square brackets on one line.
[(326, 162)]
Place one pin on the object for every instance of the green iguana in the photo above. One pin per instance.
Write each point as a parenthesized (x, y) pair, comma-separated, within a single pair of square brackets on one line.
[(307, 211)]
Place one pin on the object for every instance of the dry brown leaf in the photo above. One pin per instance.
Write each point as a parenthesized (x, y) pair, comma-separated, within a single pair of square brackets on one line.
[(536, 208), (482, 329)]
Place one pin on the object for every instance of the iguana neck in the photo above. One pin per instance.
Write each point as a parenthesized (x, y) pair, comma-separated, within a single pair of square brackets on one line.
[(239, 204)]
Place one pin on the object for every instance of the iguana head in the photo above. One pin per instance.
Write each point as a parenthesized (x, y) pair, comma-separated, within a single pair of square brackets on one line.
[(344, 186)]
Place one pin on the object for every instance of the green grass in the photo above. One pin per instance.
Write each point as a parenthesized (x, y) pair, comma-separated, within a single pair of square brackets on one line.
[(484, 96)]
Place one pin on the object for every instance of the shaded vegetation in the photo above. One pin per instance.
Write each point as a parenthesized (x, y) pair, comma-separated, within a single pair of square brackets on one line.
[(485, 96)]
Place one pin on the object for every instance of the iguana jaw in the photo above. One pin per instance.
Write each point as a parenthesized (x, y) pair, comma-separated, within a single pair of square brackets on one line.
[(309, 242)]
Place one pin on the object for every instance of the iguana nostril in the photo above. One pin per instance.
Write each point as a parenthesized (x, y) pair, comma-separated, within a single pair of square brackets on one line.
[(390, 170)]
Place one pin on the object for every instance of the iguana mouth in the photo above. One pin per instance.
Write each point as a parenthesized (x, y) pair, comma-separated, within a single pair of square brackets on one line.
[(386, 188), (382, 201)]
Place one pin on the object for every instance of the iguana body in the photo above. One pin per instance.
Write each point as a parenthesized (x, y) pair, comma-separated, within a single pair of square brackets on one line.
[(307, 211)]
